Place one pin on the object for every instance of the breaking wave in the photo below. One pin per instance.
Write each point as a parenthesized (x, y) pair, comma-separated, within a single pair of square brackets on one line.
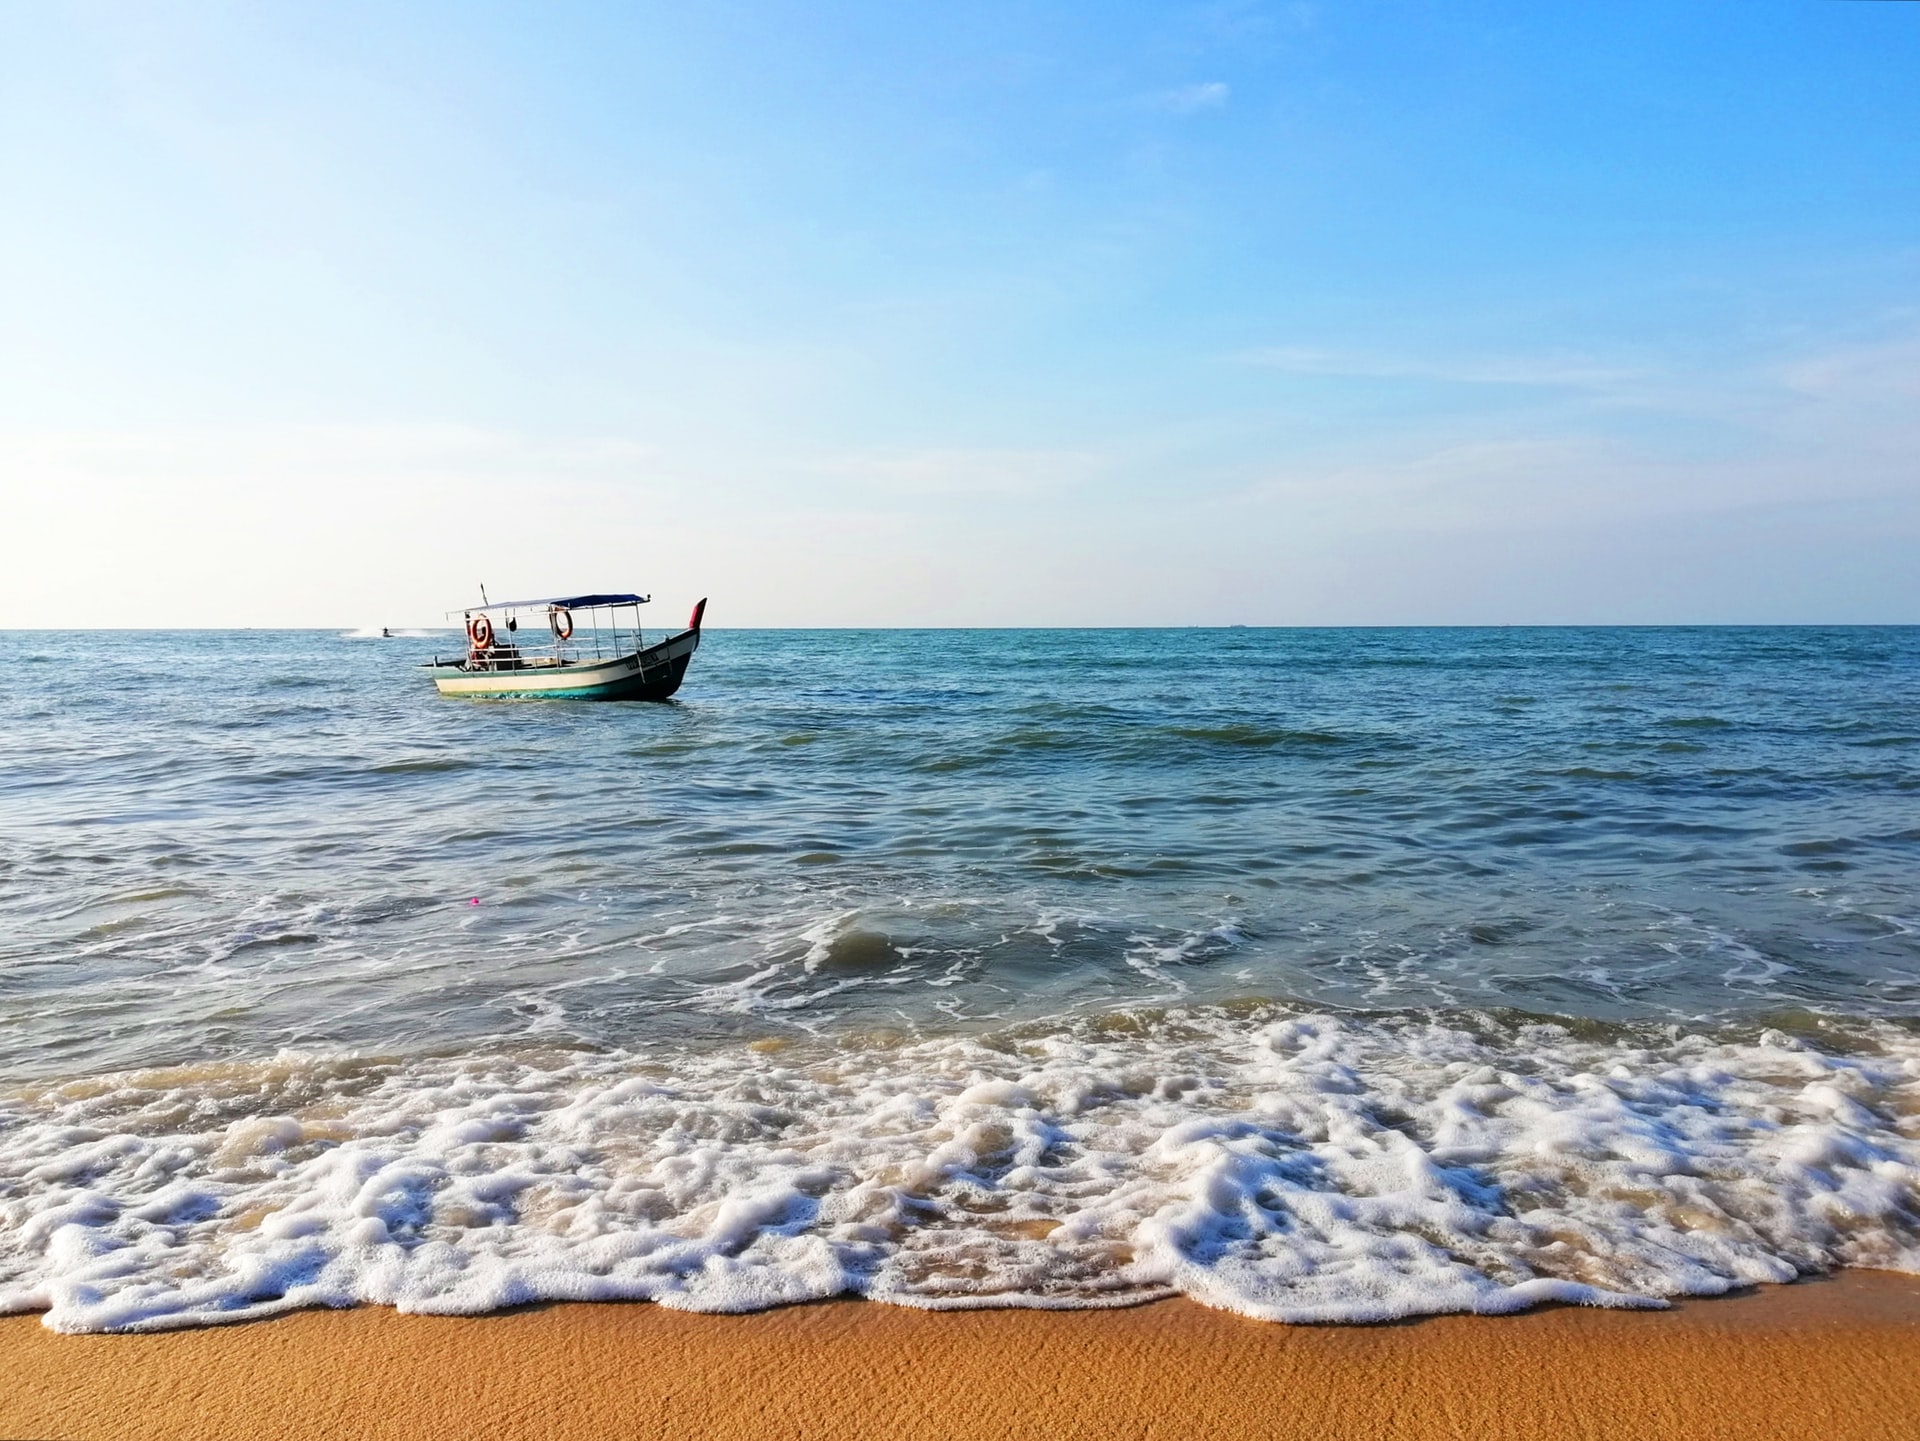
[(1286, 1165)]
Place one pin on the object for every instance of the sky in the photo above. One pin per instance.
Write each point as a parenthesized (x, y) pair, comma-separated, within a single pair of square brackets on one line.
[(1344, 312)]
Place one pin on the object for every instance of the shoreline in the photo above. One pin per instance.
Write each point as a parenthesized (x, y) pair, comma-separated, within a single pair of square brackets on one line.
[(1826, 1357)]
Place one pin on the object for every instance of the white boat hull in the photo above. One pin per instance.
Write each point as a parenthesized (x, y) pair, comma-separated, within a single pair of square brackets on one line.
[(650, 674)]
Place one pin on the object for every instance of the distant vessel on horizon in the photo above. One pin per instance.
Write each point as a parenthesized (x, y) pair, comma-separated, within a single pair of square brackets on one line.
[(610, 661)]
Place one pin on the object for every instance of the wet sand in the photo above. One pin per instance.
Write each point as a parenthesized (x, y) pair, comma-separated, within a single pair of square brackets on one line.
[(1827, 1358)]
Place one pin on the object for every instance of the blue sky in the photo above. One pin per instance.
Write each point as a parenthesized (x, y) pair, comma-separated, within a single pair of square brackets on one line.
[(1367, 312)]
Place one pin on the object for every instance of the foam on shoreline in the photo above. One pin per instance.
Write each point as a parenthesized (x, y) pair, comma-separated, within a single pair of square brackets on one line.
[(1810, 1362), (1292, 1167)]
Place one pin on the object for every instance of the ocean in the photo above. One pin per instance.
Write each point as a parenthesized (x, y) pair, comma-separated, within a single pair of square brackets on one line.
[(1314, 974)]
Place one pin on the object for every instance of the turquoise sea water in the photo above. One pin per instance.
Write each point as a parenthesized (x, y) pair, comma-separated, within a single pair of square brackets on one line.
[(272, 879)]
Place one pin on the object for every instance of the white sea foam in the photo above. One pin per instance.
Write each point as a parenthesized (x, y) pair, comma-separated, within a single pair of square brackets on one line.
[(1292, 1167)]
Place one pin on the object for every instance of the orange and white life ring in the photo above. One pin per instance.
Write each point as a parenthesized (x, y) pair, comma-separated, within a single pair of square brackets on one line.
[(480, 632), (561, 619)]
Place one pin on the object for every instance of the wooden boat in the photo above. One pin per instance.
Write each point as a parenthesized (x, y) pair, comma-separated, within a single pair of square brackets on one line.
[(600, 660)]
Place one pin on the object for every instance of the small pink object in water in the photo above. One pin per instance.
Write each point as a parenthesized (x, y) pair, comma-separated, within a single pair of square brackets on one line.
[(474, 902)]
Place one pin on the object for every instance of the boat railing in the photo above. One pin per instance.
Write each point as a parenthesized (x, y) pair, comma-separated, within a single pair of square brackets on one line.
[(509, 652)]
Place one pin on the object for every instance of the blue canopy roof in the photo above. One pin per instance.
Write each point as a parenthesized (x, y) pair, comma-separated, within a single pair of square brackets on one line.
[(568, 602)]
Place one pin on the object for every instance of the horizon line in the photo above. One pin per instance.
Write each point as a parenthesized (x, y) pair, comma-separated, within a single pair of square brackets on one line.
[(359, 631)]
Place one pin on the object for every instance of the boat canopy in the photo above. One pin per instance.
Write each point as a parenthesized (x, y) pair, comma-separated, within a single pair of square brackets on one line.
[(565, 602)]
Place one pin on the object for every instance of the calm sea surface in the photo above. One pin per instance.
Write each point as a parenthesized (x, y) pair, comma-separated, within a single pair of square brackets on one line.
[(273, 879)]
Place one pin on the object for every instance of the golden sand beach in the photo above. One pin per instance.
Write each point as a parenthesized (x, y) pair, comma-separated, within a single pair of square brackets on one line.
[(1828, 1359)]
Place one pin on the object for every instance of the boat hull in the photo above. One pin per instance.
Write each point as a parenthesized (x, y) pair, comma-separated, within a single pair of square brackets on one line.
[(651, 674)]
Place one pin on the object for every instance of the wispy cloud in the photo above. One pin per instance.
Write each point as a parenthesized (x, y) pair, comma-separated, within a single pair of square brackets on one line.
[(1887, 370), (1233, 22), (932, 472), (1555, 370), (1191, 99), (1564, 482)]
